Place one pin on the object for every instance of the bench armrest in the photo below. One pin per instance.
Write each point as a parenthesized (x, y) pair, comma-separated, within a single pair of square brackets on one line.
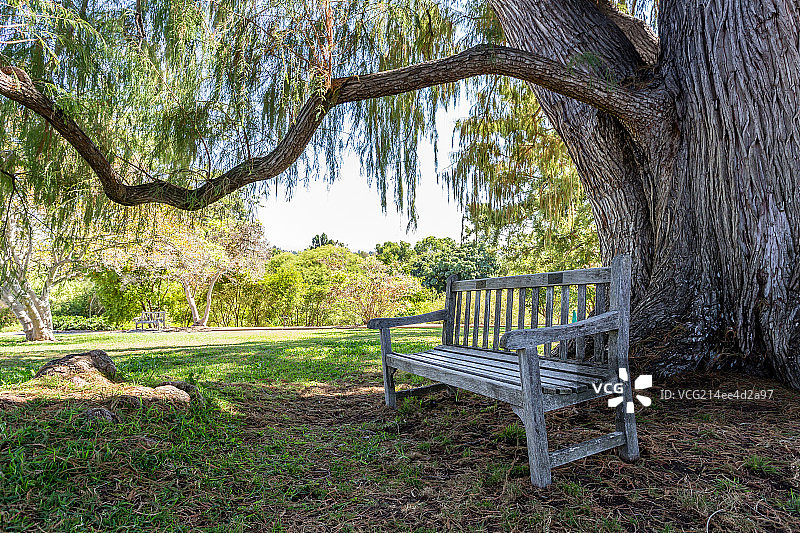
[(530, 338), (381, 323)]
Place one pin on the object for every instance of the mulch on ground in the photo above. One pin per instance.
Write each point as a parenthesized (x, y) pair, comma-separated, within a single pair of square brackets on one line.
[(461, 463), (332, 457)]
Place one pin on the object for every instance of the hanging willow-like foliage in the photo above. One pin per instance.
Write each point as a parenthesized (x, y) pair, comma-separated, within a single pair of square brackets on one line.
[(181, 90)]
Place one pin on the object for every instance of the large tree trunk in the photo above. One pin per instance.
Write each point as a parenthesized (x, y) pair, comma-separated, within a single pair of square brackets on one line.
[(187, 290), (705, 196), (209, 295)]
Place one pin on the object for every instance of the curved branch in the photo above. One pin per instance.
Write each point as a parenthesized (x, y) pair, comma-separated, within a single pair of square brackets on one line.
[(641, 36), (635, 107)]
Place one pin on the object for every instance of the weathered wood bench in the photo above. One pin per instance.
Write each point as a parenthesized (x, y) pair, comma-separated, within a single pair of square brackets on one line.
[(491, 341), (152, 318)]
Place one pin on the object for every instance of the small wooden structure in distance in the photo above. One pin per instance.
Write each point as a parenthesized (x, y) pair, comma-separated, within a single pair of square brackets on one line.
[(156, 319), (474, 356)]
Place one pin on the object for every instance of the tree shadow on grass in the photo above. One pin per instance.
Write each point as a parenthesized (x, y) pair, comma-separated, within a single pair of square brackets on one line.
[(314, 456), (439, 463)]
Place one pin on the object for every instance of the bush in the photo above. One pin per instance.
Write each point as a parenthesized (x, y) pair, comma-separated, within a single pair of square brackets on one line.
[(95, 323), (75, 297), (7, 318)]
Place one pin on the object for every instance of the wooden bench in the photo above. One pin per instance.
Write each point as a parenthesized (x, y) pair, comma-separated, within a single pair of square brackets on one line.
[(152, 318), (493, 345)]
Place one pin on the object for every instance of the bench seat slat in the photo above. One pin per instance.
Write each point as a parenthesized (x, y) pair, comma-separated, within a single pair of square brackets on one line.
[(600, 372), (581, 368), (508, 357), (550, 384), (490, 363), (560, 374), (553, 381), (468, 367), (487, 387), (479, 372), (559, 382)]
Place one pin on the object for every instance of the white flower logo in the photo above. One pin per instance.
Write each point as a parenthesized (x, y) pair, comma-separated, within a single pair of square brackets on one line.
[(645, 381)]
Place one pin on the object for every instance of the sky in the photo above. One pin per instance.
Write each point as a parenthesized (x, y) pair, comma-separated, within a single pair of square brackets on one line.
[(349, 210)]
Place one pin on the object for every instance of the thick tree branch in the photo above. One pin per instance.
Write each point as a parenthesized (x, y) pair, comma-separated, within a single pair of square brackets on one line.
[(641, 36), (635, 107)]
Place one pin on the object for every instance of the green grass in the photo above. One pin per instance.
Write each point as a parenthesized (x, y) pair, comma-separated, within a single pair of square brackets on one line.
[(294, 436), (298, 356), (512, 434), (760, 465), (792, 504), (58, 473)]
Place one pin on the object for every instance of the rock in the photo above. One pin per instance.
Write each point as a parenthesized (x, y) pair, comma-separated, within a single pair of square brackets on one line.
[(9, 400), (95, 368), (192, 390), (100, 414), (128, 401), (172, 395), (95, 361), (138, 396), (78, 381), (138, 391)]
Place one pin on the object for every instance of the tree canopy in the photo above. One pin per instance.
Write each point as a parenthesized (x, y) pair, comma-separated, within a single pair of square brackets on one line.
[(182, 103)]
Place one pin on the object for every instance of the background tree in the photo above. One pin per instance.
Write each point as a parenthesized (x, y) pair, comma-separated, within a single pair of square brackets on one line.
[(331, 285), (436, 259), (282, 289), (199, 255), (394, 253), (372, 291), (322, 270), (669, 132), (323, 240), (43, 246), (518, 186), (125, 292)]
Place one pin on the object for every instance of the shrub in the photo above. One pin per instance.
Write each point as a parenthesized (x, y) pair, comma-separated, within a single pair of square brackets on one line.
[(7, 318), (95, 323)]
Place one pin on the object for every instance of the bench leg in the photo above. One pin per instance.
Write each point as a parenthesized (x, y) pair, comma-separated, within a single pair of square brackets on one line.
[(388, 386), (618, 346), (532, 415), (626, 423), (388, 372)]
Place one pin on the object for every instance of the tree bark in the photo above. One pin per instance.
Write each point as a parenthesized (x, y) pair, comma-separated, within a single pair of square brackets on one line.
[(197, 320), (626, 102), (187, 290), (707, 198), (209, 294), (32, 312)]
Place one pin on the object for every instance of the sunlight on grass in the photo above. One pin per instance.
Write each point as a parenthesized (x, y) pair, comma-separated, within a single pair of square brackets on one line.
[(294, 435), (300, 356)]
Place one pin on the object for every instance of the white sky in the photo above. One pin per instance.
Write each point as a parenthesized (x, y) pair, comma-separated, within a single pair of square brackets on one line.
[(349, 210)]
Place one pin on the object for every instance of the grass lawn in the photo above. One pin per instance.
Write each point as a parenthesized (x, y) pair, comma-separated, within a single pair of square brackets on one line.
[(295, 437)]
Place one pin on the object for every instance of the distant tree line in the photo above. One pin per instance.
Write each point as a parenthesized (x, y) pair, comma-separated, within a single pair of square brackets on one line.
[(218, 270)]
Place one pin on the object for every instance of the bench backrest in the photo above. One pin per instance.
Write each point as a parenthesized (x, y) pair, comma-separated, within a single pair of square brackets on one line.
[(480, 311)]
